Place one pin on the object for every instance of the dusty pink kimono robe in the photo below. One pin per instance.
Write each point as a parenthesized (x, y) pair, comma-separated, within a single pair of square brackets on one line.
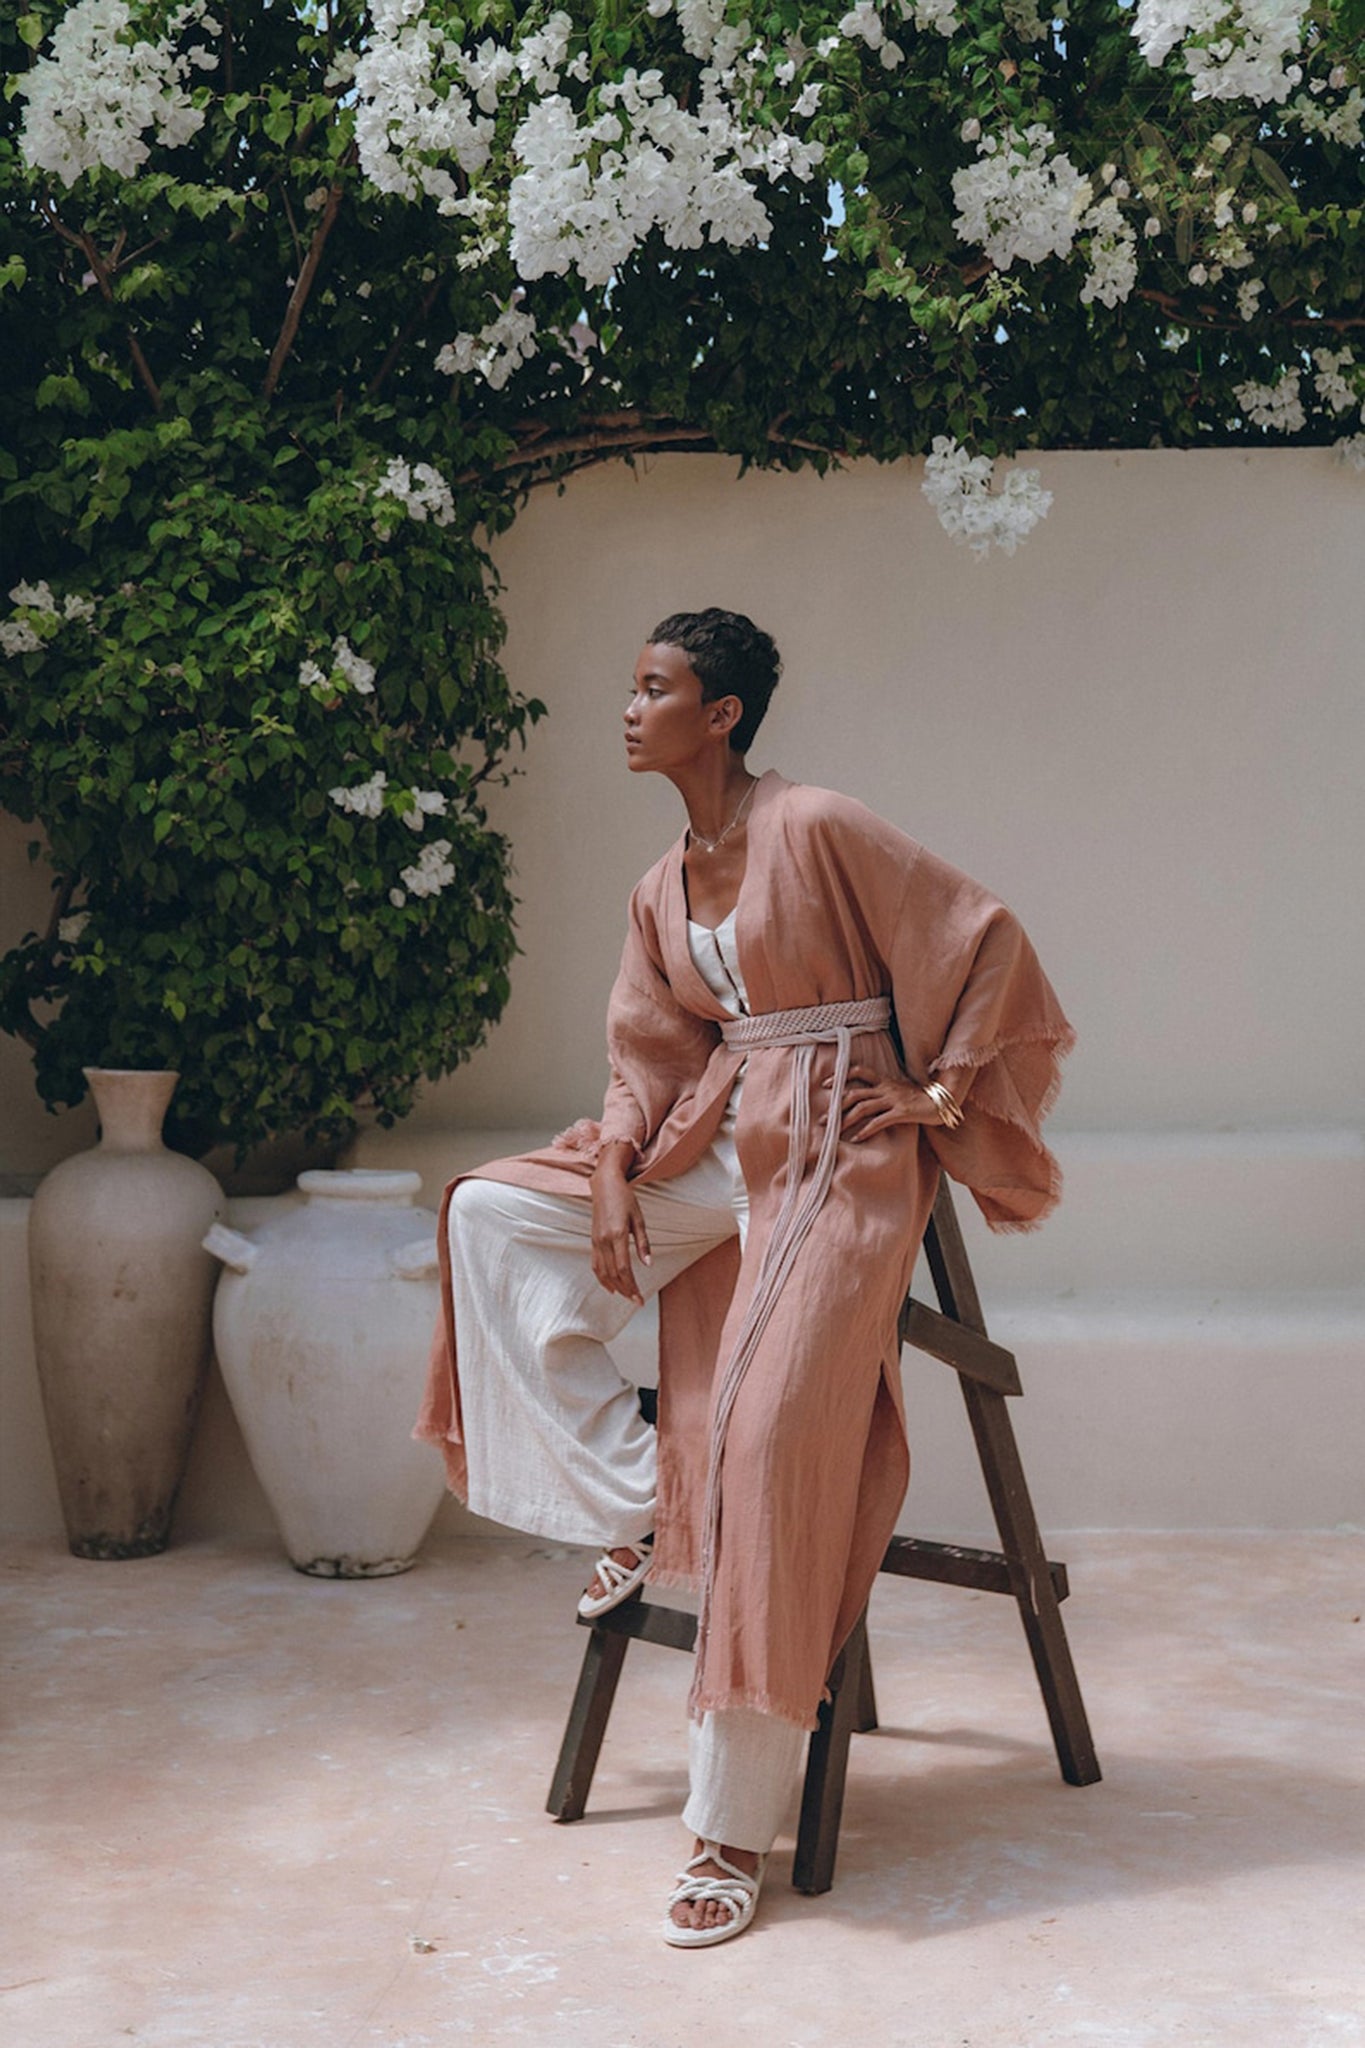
[(836, 906)]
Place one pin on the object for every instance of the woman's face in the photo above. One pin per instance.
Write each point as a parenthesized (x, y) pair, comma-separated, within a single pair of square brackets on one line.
[(667, 724)]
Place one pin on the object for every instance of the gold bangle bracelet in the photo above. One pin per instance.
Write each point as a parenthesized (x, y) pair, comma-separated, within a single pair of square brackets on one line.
[(949, 1111)]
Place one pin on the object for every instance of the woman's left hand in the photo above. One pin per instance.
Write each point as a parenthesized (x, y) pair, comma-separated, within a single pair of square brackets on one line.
[(877, 1102)]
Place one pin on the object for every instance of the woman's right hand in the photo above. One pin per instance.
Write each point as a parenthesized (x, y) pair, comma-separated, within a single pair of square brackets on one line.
[(618, 1226)]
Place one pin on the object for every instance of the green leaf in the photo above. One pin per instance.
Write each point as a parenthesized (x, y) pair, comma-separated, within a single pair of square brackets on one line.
[(1273, 175)]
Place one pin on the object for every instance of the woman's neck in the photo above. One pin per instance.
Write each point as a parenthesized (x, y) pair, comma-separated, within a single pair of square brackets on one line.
[(714, 791)]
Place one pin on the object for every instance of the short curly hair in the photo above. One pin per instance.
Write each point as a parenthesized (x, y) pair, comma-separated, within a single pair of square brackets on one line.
[(731, 657)]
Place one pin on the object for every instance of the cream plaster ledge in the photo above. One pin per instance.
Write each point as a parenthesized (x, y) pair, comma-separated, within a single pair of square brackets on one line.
[(1192, 1345)]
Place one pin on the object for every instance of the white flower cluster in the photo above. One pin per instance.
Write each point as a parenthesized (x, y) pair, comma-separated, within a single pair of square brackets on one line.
[(1113, 254), (1344, 123), (366, 800), (1029, 22), (20, 636), (496, 352), (425, 803), (588, 194), (352, 667), (1331, 382), (401, 117), (958, 486), (1277, 407), (706, 34), (864, 23), (1249, 293), (432, 872), (1351, 451), (587, 189), (102, 90), (420, 489), (939, 14), (1018, 201), (1233, 49)]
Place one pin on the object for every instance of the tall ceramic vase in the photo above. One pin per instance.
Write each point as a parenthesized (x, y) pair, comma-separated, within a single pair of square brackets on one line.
[(122, 1307), (322, 1326)]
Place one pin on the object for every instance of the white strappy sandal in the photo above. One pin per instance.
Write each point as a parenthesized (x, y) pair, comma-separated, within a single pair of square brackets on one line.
[(736, 1891), (618, 1581)]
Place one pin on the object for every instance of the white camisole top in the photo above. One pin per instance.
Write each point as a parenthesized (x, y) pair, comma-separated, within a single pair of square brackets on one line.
[(716, 960)]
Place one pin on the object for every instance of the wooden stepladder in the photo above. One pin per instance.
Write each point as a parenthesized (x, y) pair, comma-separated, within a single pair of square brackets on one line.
[(955, 1332)]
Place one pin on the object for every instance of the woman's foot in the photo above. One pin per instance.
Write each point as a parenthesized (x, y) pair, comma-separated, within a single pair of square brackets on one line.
[(620, 1573), (715, 1896)]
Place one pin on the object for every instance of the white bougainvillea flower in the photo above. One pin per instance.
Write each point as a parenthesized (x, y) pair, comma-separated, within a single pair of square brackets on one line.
[(402, 119), (101, 90), (366, 800), (958, 486), (426, 803), (931, 14), (1018, 202), (496, 352), (34, 597), (432, 872), (1112, 248), (358, 672), (18, 637), (1232, 49), (1277, 407), (420, 489), (1330, 381)]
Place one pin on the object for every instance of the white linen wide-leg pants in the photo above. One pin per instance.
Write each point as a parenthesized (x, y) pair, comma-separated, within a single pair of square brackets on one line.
[(554, 1438)]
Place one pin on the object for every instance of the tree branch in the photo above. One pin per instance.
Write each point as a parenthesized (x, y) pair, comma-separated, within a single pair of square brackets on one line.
[(66, 889), (401, 340), (303, 286), (619, 434), (1213, 316), (103, 276)]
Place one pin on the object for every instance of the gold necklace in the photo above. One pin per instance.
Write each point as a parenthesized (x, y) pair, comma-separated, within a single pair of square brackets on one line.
[(710, 845)]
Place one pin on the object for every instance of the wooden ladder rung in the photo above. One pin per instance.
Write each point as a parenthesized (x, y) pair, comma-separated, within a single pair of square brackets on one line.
[(955, 1564)]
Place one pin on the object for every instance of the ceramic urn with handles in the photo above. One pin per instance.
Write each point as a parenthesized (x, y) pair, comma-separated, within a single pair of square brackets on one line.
[(322, 1324)]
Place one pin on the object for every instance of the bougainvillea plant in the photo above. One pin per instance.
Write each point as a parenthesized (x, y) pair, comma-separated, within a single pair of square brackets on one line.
[(300, 301)]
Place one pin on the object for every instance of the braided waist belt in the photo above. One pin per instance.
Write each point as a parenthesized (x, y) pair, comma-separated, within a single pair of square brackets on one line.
[(823, 1024)]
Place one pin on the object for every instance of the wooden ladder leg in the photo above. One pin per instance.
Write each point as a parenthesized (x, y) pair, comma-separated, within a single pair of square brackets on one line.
[(822, 1795), (1031, 1582), (587, 1724), (866, 1721)]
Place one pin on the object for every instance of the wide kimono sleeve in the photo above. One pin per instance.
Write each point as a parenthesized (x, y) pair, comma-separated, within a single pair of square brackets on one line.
[(657, 1049), (973, 1008)]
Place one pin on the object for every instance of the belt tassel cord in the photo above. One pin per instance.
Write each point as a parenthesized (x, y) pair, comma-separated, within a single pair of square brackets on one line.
[(824, 1024)]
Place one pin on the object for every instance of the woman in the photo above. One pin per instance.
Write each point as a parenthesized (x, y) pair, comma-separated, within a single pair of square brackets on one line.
[(812, 1015)]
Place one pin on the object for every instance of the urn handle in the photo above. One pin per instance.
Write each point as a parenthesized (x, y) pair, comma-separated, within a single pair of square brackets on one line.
[(232, 1248), (415, 1261)]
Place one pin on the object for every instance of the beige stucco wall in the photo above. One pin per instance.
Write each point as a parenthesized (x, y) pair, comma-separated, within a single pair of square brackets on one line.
[(1145, 731)]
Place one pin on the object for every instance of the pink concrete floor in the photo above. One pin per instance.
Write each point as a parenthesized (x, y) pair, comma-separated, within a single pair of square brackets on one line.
[(246, 1809)]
